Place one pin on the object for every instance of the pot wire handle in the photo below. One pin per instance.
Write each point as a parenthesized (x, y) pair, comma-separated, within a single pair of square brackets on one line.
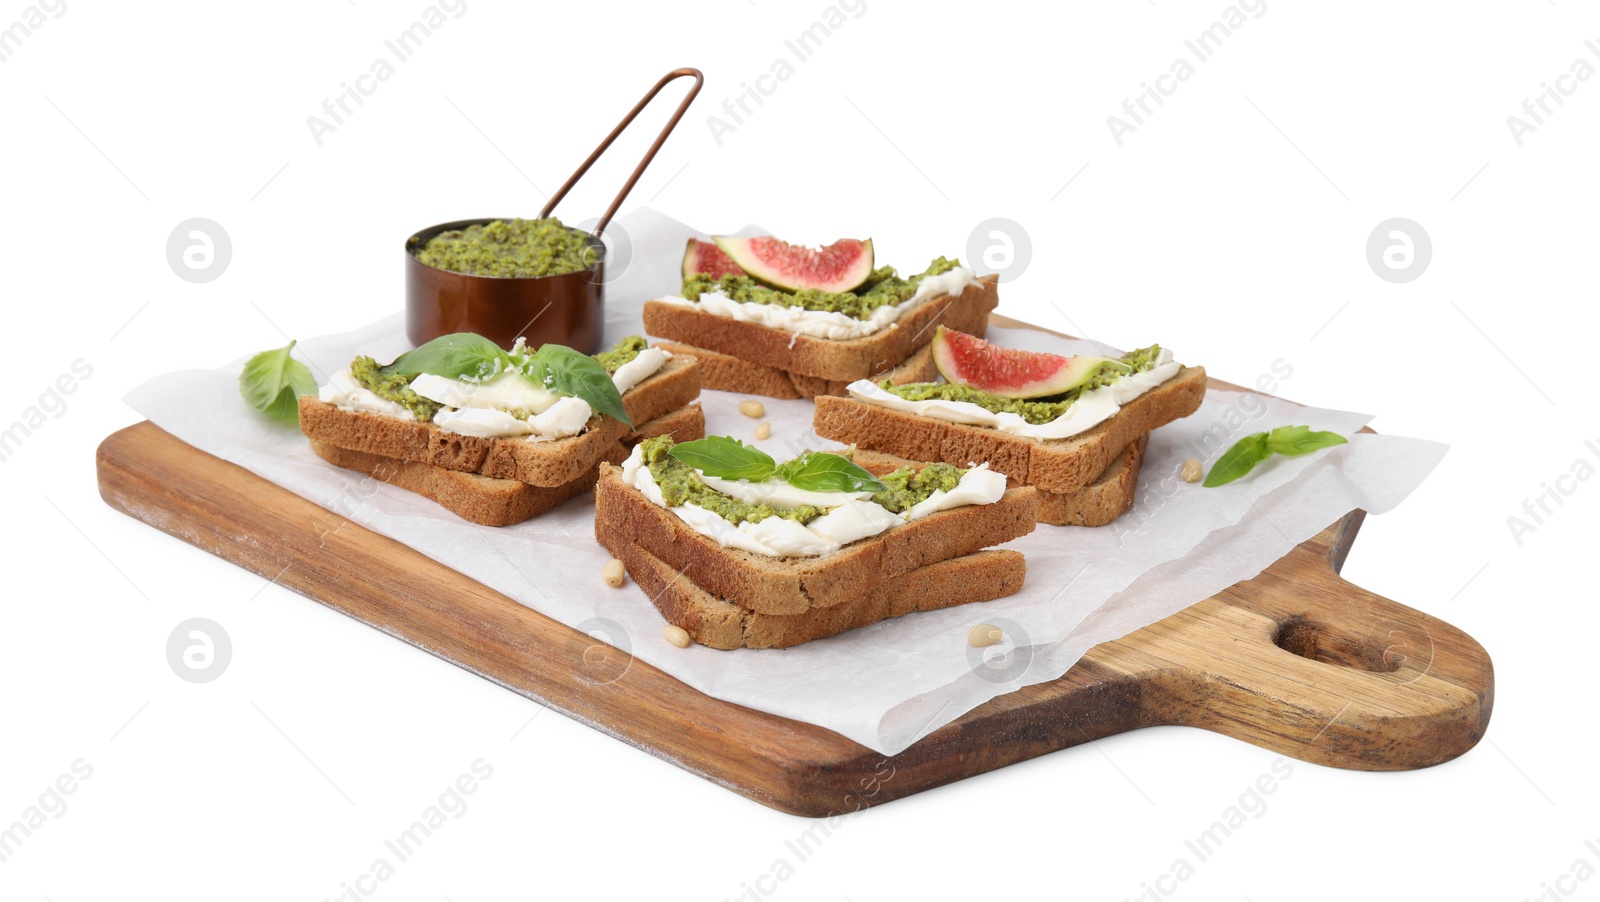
[(683, 107)]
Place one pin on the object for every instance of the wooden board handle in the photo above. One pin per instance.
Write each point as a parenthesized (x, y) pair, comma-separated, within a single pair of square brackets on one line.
[(1323, 670)]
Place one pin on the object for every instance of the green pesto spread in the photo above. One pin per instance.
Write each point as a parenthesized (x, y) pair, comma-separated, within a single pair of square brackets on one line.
[(908, 487), (881, 289), (681, 484), (1037, 411), (519, 248), (623, 354), (395, 387)]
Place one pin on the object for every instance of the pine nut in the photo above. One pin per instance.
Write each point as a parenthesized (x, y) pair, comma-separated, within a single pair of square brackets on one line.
[(752, 409), (1192, 470), (764, 431), (677, 635), (984, 635), (614, 574)]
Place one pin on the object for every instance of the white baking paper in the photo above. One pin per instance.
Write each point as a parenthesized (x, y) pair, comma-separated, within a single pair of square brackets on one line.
[(886, 685)]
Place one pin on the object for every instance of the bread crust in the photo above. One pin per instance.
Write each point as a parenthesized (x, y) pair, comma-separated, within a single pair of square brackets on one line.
[(668, 389), (479, 499), (795, 585), (549, 464), (1064, 466), (824, 358), (503, 502), (715, 622), (724, 372)]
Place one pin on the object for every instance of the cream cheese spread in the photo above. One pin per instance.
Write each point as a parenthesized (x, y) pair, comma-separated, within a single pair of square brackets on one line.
[(850, 516)]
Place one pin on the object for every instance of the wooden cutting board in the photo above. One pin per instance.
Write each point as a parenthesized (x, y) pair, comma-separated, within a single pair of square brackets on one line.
[(1296, 660)]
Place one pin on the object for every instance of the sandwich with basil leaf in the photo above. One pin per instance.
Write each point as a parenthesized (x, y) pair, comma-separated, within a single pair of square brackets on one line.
[(499, 435), (740, 550)]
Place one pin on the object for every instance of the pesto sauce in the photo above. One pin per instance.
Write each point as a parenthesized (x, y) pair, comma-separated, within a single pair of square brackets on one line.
[(681, 484), (1037, 411), (622, 354), (908, 487), (881, 289), (516, 248), (395, 387)]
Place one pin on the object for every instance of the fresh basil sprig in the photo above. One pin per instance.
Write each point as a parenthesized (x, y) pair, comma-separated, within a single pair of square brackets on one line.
[(819, 471), (814, 471), (272, 382), (564, 371), (556, 368), (453, 356), (1290, 441)]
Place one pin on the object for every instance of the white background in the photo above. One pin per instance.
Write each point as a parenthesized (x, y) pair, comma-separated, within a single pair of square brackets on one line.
[(1231, 226)]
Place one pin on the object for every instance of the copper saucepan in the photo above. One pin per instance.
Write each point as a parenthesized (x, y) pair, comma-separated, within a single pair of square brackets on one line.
[(565, 309)]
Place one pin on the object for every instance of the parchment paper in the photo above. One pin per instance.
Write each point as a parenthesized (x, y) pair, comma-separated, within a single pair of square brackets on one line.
[(891, 683)]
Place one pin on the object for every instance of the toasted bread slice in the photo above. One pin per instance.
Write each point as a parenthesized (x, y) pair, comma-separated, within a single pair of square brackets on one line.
[(668, 389), (832, 360), (712, 621), (502, 502), (724, 372), (549, 464), (773, 585), (485, 501), (1066, 466), (685, 424), (1100, 502)]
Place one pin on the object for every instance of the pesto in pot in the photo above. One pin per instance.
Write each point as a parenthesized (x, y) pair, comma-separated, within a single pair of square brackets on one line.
[(513, 248)]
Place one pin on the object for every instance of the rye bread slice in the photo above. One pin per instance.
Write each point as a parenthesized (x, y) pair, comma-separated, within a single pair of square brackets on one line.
[(715, 622), (724, 372), (1065, 466), (668, 389), (549, 464), (479, 499), (1107, 498), (828, 359), (503, 502), (794, 585)]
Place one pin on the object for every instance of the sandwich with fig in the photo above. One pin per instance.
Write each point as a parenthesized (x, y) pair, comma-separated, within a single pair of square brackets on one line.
[(771, 318), (1073, 427)]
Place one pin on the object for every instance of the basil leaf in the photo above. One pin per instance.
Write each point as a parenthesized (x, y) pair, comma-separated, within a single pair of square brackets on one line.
[(1290, 441), (818, 471), (567, 372), (1238, 460), (1293, 441), (452, 357), (273, 381), (724, 458)]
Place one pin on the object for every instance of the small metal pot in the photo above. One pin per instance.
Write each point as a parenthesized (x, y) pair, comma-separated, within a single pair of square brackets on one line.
[(567, 309), (564, 309)]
